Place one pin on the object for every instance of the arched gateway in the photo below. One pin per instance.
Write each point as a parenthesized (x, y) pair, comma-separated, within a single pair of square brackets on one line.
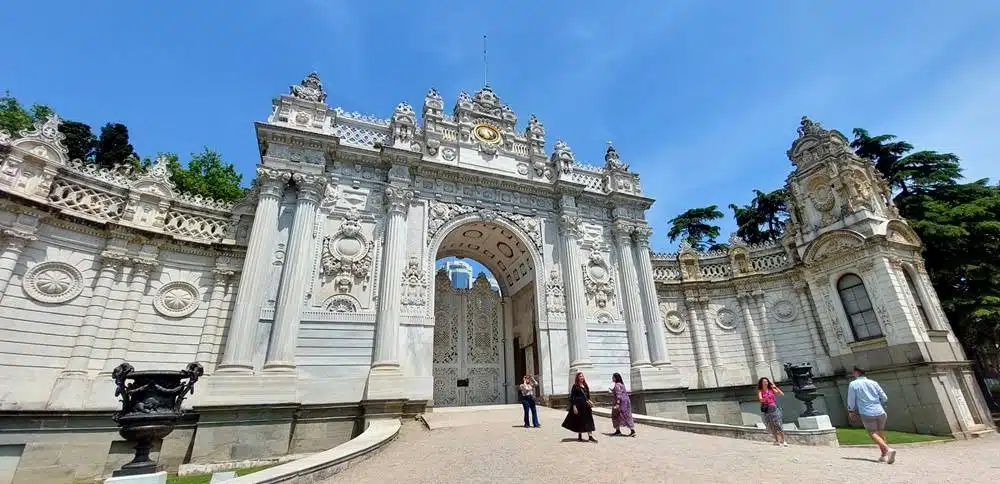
[(313, 303)]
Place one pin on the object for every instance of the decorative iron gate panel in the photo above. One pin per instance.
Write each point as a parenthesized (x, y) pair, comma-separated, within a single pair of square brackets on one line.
[(468, 345)]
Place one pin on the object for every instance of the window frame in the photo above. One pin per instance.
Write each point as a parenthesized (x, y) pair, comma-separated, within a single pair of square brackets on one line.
[(864, 314)]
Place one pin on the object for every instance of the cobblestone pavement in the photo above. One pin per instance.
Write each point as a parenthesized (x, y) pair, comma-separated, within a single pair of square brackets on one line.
[(494, 450)]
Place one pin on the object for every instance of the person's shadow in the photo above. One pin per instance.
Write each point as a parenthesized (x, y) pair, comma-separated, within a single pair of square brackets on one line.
[(866, 459)]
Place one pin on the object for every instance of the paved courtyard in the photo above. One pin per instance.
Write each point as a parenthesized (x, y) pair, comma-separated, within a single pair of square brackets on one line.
[(490, 447)]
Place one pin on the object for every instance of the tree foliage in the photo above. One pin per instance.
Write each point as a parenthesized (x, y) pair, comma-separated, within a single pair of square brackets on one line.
[(959, 224), (206, 173), (763, 219), (695, 226)]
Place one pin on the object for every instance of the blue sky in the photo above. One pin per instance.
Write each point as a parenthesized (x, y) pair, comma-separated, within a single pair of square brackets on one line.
[(702, 98)]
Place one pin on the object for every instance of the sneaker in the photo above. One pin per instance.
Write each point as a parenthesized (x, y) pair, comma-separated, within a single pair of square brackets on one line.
[(784, 444), (882, 459), (891, 456), (592, 439)]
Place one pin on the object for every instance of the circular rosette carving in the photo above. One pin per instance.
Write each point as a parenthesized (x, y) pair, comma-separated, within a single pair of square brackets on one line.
[(176, 299), (674, 322), (53, 282), (726, 319), (783, 310)]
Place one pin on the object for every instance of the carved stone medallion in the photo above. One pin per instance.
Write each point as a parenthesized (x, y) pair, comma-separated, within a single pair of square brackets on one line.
[(726, 319), (783, 310), (176, 299), (597, 280), (53, 282), (673, 321), (347, 254)]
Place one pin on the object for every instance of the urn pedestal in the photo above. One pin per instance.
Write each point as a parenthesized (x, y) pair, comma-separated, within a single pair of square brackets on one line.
[(151, 405), (802, 386)]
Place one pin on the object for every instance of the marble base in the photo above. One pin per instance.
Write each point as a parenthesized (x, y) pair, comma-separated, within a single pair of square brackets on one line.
[(653, 378), (386, 383), (157, 478), (224, 476), (235, 389), (819, 422), (788, 426), (69, 392)]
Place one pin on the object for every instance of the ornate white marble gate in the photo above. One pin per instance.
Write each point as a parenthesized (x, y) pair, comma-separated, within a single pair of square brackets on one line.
[(468, 345)]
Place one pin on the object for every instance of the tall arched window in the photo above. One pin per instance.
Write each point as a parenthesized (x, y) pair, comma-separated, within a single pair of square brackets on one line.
[(858, 307), (916, 298)]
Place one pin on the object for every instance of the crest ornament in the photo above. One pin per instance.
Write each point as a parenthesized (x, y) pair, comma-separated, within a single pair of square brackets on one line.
[(597, 280), (555, 302), (310, 89), (347, 254), (414, 285)]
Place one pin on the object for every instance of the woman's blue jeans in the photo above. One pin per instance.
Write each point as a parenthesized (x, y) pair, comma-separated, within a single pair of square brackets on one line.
[(528, 403)]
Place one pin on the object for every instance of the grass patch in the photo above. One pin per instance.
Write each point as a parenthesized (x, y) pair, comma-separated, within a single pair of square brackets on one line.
[(859, 436), (192, 479), (207, 478)]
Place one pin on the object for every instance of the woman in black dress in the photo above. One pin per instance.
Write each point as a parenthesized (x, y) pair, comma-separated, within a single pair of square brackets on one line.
[(580, 418)]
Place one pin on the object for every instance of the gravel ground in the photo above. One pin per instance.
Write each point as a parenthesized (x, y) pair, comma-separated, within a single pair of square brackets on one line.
[(497, 450)]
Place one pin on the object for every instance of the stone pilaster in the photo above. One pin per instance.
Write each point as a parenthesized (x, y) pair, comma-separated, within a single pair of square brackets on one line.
[(702, 352), (760, 368), (294, 275), (823, 365), (70, 388), (141, 268), (246, 313), (221, 277), (655, 335), (637, 345), (576, 315), (507, 306), (384, 381), (764, 327), (14, 241)]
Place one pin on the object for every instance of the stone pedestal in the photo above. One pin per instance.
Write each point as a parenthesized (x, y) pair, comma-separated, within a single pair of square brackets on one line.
[(157, 478), (819, 422), (655, 378), (386, 383)]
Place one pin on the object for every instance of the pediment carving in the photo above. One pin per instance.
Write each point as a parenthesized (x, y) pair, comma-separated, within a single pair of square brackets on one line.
[(834, 244)]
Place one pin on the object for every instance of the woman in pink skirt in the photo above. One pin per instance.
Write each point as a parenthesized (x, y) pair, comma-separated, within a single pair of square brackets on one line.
[(621, 412)]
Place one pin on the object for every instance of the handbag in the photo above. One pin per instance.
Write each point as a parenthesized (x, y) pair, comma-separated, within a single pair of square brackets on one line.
[(763, 407)]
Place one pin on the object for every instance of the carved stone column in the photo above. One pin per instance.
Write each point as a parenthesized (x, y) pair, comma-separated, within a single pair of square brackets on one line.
[(246, 313), (512, 380), (211, 331), (387, 318), (294, 275), (13, 244), (823, 365), (656, 338), (576, 314), (112, 261), (637, 345), (702, 353), (141, 268), (760, 368)]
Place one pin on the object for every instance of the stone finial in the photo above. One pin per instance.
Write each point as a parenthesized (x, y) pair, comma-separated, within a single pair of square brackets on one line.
[(685, 246), (160, 169), (809, 127), (310, 89), (611, 159), (433, 101), (403, 109), (535, 126), (736, 241)]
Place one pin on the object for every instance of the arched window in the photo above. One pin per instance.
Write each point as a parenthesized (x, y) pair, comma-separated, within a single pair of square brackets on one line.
[(916, 298), (858, 307)]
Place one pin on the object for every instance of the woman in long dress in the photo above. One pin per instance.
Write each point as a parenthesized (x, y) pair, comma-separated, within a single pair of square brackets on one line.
[(767, 394), (580, 418), (621, 412)]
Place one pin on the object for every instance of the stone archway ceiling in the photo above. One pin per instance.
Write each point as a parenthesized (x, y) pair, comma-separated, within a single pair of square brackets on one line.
[(500, 250)]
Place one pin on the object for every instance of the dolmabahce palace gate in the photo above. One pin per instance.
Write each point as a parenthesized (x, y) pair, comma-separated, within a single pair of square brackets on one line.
[(314, 302)]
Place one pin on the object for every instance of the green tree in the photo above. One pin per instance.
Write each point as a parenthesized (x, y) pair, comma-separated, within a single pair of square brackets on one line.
[(14, 118), (763, 220), (113, 147), (695, 226), (80, 140), (207, 175), (909, 173)]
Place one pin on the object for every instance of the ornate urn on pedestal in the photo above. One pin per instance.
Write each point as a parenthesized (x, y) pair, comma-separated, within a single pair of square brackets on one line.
[(802, 386), (151, 405)]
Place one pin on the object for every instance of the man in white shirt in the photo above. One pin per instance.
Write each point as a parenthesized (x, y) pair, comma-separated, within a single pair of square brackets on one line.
[(865, 398)]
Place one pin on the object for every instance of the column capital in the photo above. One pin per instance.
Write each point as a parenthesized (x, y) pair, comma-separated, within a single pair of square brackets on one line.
[(222, 275), (113, 259), (398, 199), (622, 230), (272, 182), (311, 187), (570, 225), (641, 235), (142, 266), (15, 240)]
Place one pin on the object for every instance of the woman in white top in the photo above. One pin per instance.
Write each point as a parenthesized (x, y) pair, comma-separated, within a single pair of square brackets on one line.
[(527, 390)]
